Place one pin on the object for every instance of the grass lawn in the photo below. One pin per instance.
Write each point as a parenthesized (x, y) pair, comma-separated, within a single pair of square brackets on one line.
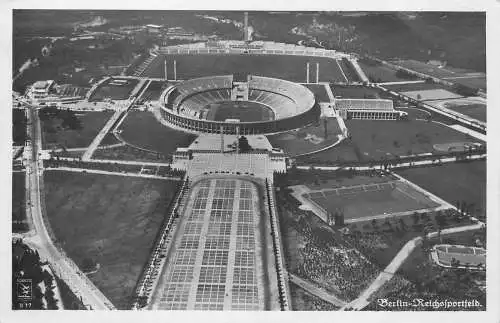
[(474, 82), (319, 91), (416, 87), (288, 67), (55, 136), (375, 140), (19, 220), (153, 91), (304, 301), (141, 129), (110, 219), (354, 92), (126, 152), (114, 92), (380, 73), (307, 139), (453, 182), (476, 111)]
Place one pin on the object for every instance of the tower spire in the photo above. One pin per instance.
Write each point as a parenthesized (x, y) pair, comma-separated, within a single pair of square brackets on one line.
[(245, 27)]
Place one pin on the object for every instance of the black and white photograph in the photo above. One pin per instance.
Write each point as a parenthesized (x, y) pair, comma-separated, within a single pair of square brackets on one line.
[(249, 160)]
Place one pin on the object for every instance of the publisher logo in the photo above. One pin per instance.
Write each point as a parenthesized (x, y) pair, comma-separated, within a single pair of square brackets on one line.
[(24, 289)]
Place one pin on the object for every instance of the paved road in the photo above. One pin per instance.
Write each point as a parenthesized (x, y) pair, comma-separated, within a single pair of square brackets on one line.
[(104, 172), (430, 161), (97, 140), (64, 267), (313, 289)]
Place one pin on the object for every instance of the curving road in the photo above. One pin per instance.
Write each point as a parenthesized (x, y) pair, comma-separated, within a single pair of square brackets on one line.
[(64, 267)]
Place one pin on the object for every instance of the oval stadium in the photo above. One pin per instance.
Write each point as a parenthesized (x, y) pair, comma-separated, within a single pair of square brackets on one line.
[(238, 104)]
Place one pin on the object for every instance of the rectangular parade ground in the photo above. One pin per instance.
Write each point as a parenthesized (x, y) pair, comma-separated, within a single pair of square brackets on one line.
[(220, 257)]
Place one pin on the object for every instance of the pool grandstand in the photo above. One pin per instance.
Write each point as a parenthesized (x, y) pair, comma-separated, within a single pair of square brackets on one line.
[(189, 104), (368, 109)]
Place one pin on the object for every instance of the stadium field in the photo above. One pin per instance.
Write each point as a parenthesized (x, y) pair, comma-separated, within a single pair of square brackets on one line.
[(288, 67), (371, 199), (58, 132), (319, 91), (243, 111), (19, 220), (376, 140), (307, 139), (112, 220), (354, 92), (114, 92), (453, 182), (140, 128)]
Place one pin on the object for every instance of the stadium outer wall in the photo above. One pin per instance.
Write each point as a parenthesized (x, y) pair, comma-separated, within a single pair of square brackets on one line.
[(245, 128)]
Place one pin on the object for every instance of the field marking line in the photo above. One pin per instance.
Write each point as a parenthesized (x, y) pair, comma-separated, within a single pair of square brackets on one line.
[(341, 70)]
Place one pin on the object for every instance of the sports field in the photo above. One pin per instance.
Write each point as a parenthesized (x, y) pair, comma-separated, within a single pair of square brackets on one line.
[(288, 67), (319, 91), (453, 182), (141, 128), (243, 111), (112, 220), (19, 223), (466, 256), (375, 140), (472, 107), (307, 139), (76, 131), (114, 91), (371, 199), (436, 94)]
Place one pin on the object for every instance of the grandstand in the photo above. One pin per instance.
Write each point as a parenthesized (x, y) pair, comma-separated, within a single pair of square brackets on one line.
[(189, 104), (367, 109), (465, 257)]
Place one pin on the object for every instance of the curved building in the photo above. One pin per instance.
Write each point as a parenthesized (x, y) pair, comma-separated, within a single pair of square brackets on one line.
[(238, 105)]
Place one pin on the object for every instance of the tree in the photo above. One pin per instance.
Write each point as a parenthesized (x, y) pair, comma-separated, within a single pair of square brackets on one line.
[(243, 144)]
